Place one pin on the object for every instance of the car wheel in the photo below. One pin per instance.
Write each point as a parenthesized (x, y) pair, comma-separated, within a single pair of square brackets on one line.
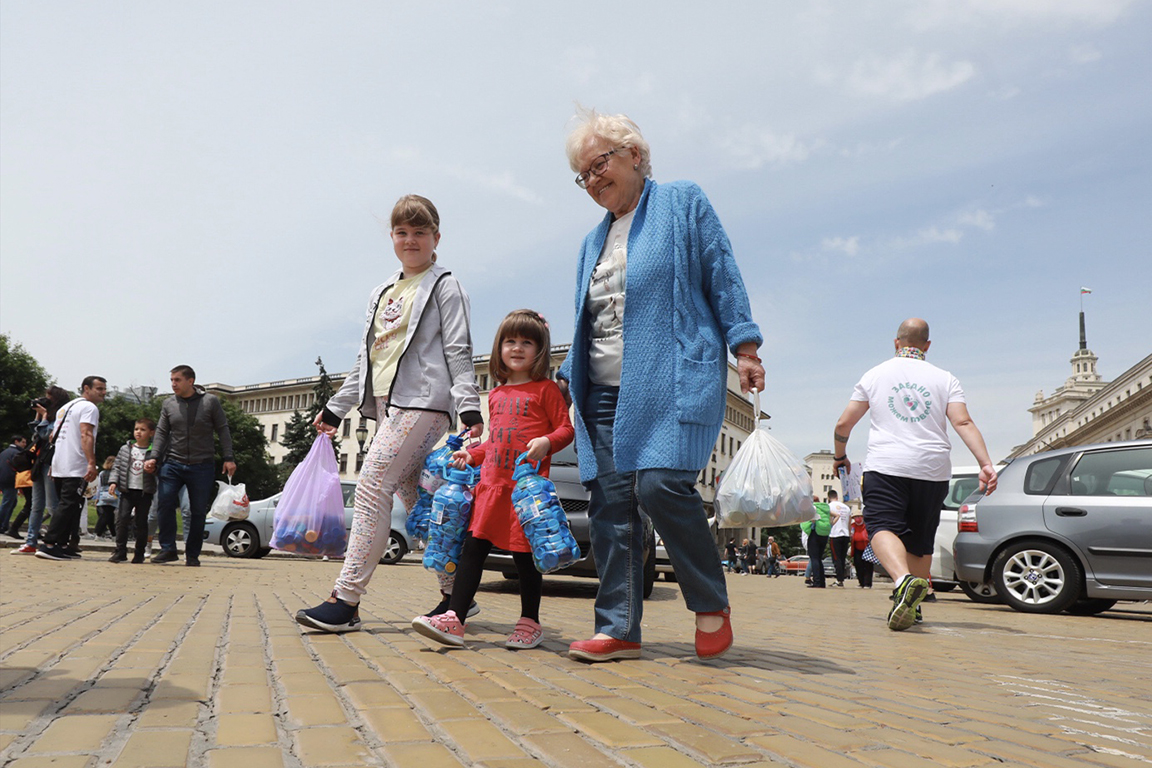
[(240, 540), (262, 552), (395, 550), (670, 576), (944, 586), (979, 592), (510, 575), (650, 573), (1089, 606), (1036, 576)]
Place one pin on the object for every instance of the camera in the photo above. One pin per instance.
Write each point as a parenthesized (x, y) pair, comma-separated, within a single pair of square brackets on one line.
[(43, 402)]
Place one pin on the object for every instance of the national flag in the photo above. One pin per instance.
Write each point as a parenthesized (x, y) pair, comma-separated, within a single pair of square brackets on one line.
[(1085, 290)]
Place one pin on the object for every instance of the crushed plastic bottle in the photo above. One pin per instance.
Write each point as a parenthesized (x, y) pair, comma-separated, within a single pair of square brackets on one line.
[(448, 524), (431, 479), (542, 518)]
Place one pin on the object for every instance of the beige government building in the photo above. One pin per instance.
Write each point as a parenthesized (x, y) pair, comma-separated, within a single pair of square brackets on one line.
[(273, 403), (1086, 409)]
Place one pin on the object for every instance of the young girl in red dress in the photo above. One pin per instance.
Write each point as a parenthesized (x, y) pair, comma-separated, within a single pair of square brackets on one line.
[(527, 414)]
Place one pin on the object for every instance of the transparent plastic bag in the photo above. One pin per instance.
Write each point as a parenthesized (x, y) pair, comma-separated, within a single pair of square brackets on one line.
[(765, 485), (310, 514), (231, 502)]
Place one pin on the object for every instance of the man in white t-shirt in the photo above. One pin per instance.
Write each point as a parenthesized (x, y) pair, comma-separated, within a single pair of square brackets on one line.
[(909, 461), (840, 536), (73, 466)]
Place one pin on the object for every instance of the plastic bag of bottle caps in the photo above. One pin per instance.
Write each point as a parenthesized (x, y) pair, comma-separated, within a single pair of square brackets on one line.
[(543, 520), (448, 525), (431, 478), (309, 517)]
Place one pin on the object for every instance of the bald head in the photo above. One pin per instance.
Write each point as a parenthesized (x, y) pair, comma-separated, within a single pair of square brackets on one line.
[(913, 332)]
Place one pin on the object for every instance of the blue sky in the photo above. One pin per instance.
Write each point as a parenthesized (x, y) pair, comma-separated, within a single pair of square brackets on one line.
[(205, 183)]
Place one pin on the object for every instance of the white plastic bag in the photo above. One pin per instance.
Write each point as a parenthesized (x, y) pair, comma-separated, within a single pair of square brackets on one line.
[(765, 485), (231, 502)]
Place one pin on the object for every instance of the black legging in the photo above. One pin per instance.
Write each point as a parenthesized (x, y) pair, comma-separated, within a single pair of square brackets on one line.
[(471, 567), (839, 555)]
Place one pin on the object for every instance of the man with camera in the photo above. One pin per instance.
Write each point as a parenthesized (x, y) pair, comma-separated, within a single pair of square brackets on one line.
[(73, 466), (8, 480)]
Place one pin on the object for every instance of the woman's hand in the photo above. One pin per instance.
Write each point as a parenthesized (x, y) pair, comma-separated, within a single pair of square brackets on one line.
[(327, 429), (751, 375), (476, 430), (461, 459), (538, 448)]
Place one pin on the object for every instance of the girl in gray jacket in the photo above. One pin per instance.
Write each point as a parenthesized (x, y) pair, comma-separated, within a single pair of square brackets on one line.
[(414, 376)]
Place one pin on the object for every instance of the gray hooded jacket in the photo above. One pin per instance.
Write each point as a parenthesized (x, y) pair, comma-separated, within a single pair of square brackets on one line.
[(435, 371)]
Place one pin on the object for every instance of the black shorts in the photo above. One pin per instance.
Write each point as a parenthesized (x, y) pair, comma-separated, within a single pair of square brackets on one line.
[(906, 507)]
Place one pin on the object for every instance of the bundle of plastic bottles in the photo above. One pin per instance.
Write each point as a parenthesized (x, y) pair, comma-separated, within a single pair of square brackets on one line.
[(324, 536), (542, 518), (448, 525), (431, 478)]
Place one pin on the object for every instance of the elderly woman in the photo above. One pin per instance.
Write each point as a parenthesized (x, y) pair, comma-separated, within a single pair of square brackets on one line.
[(659, 299)]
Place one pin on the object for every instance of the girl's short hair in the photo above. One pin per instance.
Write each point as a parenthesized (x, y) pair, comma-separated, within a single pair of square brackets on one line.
[(617, 130), (109, 462), (527, 324), (415, 211)]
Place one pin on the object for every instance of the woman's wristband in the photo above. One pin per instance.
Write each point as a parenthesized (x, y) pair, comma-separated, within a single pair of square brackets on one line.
[(840, 458), (747, 356)]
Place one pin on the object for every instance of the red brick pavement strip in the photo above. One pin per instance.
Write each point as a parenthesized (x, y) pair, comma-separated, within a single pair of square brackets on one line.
[(121, 665)]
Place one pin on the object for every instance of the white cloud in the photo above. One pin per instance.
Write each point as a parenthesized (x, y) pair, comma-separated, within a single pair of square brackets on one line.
[(926, 236), (1084, 54), (908, 77), (751, 147), (979, 218), (846, 245), (503, 182), (932, 14)]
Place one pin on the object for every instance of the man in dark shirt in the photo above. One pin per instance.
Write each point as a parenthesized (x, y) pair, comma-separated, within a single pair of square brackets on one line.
[(184, 444)]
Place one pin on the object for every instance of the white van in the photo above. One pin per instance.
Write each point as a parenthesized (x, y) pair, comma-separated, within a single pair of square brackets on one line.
[(964, 481)]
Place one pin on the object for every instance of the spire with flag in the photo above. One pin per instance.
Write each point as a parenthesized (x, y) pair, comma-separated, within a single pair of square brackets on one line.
[(1083, 291)]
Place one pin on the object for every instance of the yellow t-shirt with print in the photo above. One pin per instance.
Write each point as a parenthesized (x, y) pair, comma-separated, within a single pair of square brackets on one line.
[(389, 330)]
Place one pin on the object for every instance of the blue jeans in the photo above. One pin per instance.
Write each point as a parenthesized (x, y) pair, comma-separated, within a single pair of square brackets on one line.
[(197, 478), (8, 499), (43, 498), (670, 499)]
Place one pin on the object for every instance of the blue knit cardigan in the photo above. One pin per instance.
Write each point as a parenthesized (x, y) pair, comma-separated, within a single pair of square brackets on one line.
[(684, 303)]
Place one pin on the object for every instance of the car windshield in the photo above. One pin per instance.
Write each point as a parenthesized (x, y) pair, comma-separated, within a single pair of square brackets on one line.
[(961, 487)]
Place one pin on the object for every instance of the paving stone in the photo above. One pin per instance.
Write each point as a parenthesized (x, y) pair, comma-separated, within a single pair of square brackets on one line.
[(423, 755), (103, 700), (566, 750), (660, 757), (373, 694), (238, 730), (17, 715), (520, 717), (440, 705), (169, 714), (75, 733), (609, 731), (322, 709), (155, 749), (57, 761), (331, 746), (244, 699), (479, 740), (704, 743), (395, 724), (246, 757)]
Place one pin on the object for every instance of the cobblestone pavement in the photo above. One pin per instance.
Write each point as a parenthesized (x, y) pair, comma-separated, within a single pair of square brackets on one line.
[(149, 665)]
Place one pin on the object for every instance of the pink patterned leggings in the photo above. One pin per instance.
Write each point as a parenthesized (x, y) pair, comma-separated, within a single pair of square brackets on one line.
[(392, 465)]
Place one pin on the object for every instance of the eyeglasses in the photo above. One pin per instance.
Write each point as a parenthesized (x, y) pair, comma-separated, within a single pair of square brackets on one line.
[(596, 168)]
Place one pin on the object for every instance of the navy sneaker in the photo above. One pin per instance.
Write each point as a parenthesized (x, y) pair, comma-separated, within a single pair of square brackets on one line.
[(52, 553), (331, 617)]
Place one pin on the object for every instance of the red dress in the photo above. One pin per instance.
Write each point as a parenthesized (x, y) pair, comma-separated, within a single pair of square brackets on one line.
[(517, 413)]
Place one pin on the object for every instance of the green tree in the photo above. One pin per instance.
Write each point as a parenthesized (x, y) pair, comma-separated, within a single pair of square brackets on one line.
[(22, 379)]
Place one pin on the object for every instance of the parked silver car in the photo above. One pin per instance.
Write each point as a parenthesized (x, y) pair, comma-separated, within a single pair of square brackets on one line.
[(249, 538), (1066, 530)]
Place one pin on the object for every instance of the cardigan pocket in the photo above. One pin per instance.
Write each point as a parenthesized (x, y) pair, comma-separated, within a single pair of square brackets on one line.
[(697, 399)]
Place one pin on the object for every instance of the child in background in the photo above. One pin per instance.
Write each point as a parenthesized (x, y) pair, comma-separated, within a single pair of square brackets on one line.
[(527, 414), (106, 502), (135, 488)]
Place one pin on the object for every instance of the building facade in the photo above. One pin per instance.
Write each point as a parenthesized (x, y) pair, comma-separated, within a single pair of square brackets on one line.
[(1087, 409)]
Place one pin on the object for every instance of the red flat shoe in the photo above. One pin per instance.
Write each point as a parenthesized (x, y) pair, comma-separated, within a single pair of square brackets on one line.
[(709, 645), (603, 650)]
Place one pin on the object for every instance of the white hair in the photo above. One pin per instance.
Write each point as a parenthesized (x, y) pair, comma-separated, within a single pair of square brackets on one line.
[(617, 130)]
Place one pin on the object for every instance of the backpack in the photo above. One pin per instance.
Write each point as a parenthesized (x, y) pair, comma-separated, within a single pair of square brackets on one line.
[(23, 461)]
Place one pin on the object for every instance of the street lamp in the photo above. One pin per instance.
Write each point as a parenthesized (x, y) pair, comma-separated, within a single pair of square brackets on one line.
[(361, 437)]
